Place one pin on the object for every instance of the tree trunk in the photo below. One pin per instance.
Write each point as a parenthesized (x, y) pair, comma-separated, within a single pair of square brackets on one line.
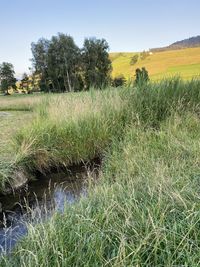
[(58, 83), (69, 83)]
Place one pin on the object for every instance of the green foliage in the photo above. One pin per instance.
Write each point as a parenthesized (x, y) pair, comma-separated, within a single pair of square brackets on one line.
[(141, 76), (118, 81), (39, 60), (155, 102), (96, 63), (58, 62), (64, 67), (134, 60), (7, 78)]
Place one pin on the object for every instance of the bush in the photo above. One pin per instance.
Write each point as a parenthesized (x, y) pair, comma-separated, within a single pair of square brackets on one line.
[(119, 81), (134, 60), (142, 76)]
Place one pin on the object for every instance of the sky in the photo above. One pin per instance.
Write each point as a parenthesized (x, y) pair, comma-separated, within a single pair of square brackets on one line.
[(127, 25)]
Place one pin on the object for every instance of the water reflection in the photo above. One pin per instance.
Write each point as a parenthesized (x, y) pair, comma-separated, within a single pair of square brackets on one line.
[(37, 203)]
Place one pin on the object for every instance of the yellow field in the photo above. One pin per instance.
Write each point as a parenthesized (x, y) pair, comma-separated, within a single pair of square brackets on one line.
[(183, 62)]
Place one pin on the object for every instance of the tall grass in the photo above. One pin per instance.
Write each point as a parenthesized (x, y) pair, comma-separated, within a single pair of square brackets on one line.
[(154, 102), (19, 102), (145, 211), (67, 129), (70, 130)]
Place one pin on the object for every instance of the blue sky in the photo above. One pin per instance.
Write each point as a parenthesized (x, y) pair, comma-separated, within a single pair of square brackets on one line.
[(127, 25)]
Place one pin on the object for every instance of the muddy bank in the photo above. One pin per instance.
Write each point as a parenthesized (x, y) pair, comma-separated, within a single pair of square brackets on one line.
[(20, 178)]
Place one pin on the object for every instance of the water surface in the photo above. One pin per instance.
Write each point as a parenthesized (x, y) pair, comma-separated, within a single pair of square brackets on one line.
[(37, 202)]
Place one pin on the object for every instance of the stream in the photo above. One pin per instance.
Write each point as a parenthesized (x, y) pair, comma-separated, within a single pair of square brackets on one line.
[(37, 202)]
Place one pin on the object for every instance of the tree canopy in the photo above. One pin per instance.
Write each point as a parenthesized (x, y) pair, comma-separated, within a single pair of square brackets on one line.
[(64, 67), (7, 78), (96, 63)]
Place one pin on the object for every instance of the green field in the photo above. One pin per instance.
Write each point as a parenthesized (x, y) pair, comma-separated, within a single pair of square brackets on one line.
[(183, 62), (145, 209)]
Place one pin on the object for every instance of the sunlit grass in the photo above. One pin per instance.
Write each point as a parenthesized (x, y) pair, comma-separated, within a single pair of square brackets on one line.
[(185, 62)]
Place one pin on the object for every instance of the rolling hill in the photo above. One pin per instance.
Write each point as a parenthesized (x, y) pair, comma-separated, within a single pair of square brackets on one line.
[(186, 43), (184, 62)]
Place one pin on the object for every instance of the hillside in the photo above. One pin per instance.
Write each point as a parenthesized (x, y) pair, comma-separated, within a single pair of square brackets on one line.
[(184, 62), (187, 43)]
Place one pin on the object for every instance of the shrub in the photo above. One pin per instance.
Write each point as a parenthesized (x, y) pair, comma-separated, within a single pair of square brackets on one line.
[(141, 75), (119, 81), (134, 60)]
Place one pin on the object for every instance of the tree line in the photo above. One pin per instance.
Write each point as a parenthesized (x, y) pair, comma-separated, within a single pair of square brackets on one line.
[(59, 65), (64, 67)]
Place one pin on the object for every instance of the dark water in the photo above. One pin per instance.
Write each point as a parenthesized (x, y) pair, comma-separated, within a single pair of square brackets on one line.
[(37, 202)]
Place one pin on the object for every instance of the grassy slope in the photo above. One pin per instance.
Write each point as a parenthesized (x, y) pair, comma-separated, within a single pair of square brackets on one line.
[(145, 210), (185, 62)]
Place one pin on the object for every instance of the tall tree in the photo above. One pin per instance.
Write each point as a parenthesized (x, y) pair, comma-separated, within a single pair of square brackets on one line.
[(7, 78), (96, 63), (64, 62), (62, 66), (39, 60), (58, 62)]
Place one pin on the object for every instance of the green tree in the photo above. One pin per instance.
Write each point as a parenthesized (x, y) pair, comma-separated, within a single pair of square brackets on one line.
[(39, 61), (58, 61), (96, 63), (64, 63), (64, 67), (134, 59), (7, 78), (141, 75)]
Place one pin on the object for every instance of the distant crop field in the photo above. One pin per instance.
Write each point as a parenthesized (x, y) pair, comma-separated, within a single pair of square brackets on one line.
[(183, 62)]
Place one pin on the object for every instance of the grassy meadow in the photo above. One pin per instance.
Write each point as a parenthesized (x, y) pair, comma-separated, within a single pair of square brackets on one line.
[(145, 209), (185, 62)]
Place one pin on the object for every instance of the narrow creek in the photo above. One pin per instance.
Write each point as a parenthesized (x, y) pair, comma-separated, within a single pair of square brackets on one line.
[(37, 202)]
